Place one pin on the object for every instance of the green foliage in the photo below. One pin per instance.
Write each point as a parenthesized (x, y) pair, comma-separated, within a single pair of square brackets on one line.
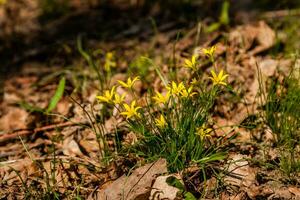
[(178, 142), (178, 130), (58, 94), (91, 63), (289, 162), (174, 124), (223, 19), (173, 181), (30, 108), (282, 115), (283, 111), (287, 29), (53, 102)]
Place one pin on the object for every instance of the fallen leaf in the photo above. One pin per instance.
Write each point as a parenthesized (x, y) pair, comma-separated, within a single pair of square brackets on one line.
[(240, 173), (14, 119), (265, 37), (137, 185), (243, 37), (162, 190), (294, 190), (281, 193), (89, 145), (268, 66), (71, 148)]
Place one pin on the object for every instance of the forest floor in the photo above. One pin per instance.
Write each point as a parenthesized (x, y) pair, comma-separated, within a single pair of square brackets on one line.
[(60, 140)]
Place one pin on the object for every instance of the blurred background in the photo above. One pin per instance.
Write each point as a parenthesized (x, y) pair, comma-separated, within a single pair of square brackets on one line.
[(47, 30)]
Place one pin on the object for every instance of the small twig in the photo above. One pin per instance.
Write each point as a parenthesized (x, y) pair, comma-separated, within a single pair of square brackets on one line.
[(20, 133), (281, 13), (63, 158)]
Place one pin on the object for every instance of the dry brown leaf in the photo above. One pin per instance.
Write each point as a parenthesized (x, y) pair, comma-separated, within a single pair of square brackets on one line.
[(14, 119), (71, 148), (89, 145), (241, 174), (110, 125), (223, 127), (281, 193), (244, 134), (69, 130), (243, 37), (137, 186), (130, 139), (265, 37), (268, 66), (63, 106), (295, 190), (162, 190), (240, 196)]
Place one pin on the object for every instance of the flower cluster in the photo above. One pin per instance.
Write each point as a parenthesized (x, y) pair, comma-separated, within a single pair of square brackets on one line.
[(174, 123), (173, 90), (178, 91), (160, 98), (113, 98)]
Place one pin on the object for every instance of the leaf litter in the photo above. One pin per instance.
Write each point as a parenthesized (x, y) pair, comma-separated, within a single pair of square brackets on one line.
[(74, 145)]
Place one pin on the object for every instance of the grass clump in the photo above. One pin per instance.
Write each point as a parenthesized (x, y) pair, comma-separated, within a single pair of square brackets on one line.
[(174, 123), (282, 115)]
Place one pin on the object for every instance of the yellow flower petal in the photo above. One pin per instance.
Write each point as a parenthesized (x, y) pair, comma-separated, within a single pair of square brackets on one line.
[(129, 83), (159, 98), (131, 111), (160, 122), (218, 79), (108, 95)]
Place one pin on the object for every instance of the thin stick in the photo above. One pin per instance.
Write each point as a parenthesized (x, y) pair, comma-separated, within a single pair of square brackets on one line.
[(16, 134), (281, 13)]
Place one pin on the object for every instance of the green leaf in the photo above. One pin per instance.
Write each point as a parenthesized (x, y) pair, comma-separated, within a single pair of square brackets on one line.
[(189, 196), (173, 181), (211, 158), (57, 96), (224, 17), (30, 108), (213, 27)]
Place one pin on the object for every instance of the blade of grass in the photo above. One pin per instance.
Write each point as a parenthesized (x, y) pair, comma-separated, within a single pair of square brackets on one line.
[(57, 96)]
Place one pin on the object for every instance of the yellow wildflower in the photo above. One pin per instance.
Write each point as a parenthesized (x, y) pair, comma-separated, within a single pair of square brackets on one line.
[(131, 111), (187, 92), (108, 95), (218, 79), (191, 63), (175, 89), (203, 132), (160, 122), (159, 98), (210, 52), (129, 83), (194, 81), (109, 61), (119, 98)]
